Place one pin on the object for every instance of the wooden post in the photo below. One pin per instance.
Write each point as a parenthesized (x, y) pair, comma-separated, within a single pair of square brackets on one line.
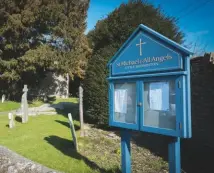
[(81, 111), (125, 151), (174, 156), (73, 133)]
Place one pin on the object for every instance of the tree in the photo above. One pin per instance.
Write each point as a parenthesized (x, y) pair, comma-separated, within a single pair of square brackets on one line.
[(108, 35), (37, 36)]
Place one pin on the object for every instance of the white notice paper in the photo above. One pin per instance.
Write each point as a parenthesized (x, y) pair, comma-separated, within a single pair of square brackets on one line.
[(159, 96), (120, 100)]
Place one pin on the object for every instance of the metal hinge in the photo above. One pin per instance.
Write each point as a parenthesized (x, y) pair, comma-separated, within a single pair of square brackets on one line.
[(180, 126), (139, 104), (179, 84)]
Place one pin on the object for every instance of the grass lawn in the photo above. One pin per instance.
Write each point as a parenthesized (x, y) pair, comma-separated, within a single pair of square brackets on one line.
[(47, 140), (12, 105), (9, 105), (70, 99)]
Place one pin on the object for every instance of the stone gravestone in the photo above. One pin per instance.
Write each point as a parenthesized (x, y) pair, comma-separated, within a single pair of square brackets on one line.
[(11, 120), (73, 133), (3, 98), (24, 105)]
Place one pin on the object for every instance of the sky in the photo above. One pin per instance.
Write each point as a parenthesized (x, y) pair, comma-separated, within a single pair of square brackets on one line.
[(195, 19)]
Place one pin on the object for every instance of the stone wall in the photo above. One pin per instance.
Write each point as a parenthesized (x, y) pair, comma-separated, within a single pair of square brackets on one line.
[(198, 151), (202, 83), (52, 85)]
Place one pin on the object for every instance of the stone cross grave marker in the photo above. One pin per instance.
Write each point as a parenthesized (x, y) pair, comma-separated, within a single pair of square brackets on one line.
[(11, 120), (3, 98), (24, 105), (70, 119)]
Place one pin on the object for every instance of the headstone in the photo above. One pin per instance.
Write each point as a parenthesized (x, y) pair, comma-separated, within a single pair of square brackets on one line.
[(81, 111), (3, 98), (73, 133), (24, 105), (11, 120), (68, 79)]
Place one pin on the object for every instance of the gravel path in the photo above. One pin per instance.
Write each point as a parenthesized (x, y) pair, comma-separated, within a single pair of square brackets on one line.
[(11, 162), (6, 112), (45, 109)]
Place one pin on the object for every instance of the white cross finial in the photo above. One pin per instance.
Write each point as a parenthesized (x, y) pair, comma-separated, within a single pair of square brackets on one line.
[(25, 89), (141, 43)]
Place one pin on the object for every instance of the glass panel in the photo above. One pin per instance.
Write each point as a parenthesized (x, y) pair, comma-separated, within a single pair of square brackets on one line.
[(160, 104), (125, 103)]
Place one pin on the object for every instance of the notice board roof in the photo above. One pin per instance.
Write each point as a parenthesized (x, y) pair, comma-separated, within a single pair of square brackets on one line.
[(170, 43)]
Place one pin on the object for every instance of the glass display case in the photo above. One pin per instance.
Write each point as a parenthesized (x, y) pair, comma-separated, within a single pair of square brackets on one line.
[(125, 103), (159, 104)]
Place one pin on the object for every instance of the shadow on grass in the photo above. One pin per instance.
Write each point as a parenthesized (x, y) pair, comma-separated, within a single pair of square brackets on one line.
[(195, 156), (44, 99), (67, 148), (18, 119), (107, 128), (68, 107), (67, 124), (157, 144)]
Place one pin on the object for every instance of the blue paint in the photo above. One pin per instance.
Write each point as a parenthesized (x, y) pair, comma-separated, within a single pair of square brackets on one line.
[(174, 156), (130, 61), (176, 68), (180, 106), (164, 131), (188, 98), (148, 57), (169, 43), (141, 100), (111, 120), (125, 151), (184, 108), (147, 75)]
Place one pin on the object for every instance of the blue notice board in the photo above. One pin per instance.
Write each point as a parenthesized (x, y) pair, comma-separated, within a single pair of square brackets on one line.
[(149, 85)]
